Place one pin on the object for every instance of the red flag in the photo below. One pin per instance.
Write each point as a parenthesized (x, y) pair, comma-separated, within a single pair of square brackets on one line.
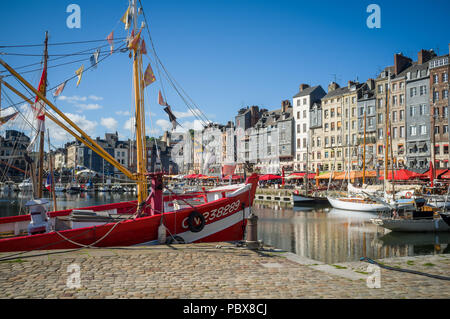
[(110, 39), (161, 100), (42, 84), (143, 47), (59, 89)]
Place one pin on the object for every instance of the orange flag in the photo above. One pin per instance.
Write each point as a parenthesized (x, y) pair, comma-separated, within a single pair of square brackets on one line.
[(133, 44), (149, 77), (110, 39)]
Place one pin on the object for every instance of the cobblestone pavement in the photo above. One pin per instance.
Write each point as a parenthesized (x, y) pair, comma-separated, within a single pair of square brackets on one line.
[(212, 271)]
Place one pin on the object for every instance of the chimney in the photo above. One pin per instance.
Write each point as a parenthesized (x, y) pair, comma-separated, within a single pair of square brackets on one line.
[(303, 86), (400, 63), (425, 55), (350, 83), (370, 84), (332, 86), (285, 105)]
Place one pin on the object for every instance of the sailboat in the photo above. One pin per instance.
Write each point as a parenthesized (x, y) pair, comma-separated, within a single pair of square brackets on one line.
[(209, 216)]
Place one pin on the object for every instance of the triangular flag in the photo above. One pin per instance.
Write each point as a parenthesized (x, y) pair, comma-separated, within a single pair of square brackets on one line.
[(6, 118), (42, 84), (59, 89), (48, 182), (79, 72), (126, 19), (149, 77), (143, 47), (133, 44), (110, 39), (161, 100)]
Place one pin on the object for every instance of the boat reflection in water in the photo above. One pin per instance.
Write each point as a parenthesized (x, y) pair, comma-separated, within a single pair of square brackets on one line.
[(331, 235)]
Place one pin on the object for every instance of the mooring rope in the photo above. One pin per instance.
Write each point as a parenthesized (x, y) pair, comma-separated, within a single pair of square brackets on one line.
[(404, 270)]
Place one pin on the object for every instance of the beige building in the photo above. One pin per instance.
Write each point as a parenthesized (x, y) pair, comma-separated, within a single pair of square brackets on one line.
[(340, 128)]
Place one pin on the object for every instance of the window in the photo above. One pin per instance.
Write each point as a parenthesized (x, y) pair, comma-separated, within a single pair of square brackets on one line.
[(353, 100), (298, 115), (394, 132), (445, 94), (380, 133), (318, 141), (298, 102), (402, 115), (422, 110), (325, 114), (436, 130), (332, 113), (304, 144), (435, 79), (304, 101), (380, 103), (333, 140), (380, 118), (332, 126), (402, 99), (298, 128), (298, 143), (423, 129), (394, 116), (304, 114), (402, 131), (445, 111), (445, 129), (304, 127), (423, 90), (394, 100), (413, 130), (326, 140), (412, 91), (435, 96), (445, 77), (412, 111), (380, 88), (394, 87)]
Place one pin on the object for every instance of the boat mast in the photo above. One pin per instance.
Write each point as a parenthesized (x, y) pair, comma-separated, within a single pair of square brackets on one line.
[(41, 124), (140, 134)]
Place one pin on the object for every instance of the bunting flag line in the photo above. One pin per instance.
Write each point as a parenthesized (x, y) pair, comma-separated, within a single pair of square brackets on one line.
[(7, 118), (149, 77), (79, 72), (39, 110), (126, 19), (172, 117), (59, 89), (110, 39), (161, 100)]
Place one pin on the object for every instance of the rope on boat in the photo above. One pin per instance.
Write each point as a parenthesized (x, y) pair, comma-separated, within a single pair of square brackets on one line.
[(404, 270)]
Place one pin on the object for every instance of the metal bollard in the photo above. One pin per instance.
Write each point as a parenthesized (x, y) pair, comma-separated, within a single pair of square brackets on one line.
[(252, 232)]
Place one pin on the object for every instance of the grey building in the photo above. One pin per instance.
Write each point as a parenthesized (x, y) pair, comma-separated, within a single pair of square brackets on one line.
[(367, 109), (418, 116)]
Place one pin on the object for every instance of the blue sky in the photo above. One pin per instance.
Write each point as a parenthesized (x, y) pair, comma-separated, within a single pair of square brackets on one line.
[(225, 54)]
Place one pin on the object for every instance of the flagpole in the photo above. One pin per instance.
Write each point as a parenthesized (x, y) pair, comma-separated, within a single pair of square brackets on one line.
[(41, 123), (52, 185)]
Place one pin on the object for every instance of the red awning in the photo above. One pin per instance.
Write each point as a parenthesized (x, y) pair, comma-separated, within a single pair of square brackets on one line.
[(401, 175), (269, 177)]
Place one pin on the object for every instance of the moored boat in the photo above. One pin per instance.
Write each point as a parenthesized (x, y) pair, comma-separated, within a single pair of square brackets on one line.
[(357, 204)]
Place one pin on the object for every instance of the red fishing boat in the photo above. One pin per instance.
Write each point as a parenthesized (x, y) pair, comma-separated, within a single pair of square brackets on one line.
[(211, 215), (216, 215)]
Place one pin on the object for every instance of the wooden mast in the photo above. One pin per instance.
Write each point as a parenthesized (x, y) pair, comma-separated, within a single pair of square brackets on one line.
[(41, 124), (140, 135), (386, 129), (50, 168)]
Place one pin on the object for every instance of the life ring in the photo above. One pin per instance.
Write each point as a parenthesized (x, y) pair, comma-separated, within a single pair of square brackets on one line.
[(196, 222), (408, 195)]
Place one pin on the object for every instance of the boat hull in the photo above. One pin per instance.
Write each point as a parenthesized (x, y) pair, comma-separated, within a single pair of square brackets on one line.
[(357, 206), (224, 220), (412, 225)]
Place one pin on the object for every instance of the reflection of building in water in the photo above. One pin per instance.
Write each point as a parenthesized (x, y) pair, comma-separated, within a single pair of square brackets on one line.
[(323, 236)]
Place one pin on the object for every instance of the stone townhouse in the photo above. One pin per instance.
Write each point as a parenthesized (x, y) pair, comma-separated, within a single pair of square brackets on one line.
[(315, 126), (302, 103), (418, 127), (439, 86), (395, 75), (340, 119), (367, 119)]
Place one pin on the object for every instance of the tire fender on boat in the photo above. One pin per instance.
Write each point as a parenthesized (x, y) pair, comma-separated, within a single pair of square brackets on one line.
[(196, 222), (408, 195)]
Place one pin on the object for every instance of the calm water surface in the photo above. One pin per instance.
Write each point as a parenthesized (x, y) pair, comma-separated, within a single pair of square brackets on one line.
[(319, 233)]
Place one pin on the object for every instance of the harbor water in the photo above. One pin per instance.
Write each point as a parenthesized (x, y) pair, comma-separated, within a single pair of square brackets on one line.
[(320, 233)]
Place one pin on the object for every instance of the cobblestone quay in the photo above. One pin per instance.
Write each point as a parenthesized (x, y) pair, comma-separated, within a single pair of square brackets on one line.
[(220, 270)]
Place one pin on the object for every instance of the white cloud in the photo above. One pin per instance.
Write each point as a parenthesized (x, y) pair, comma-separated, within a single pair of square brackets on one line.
[(123, 113), (109, 122), (95, 98), (130, 124), (72, 99), (89, 106)]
